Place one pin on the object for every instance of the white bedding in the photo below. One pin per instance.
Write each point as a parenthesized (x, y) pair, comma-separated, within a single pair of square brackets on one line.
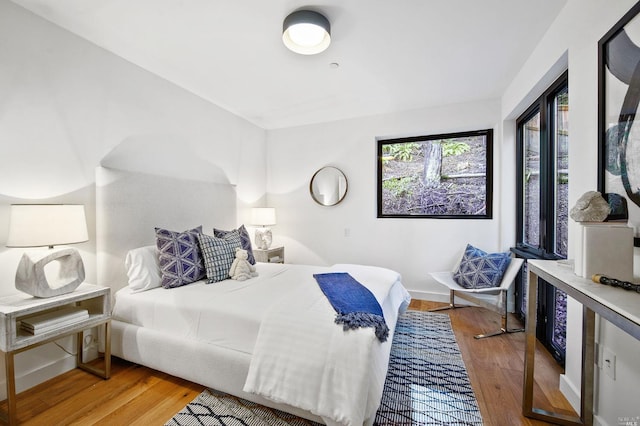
[(282, 313), (227, 313), (301, 361)]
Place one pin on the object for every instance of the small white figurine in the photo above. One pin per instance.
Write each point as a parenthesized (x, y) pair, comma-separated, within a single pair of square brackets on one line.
[(241, 269)]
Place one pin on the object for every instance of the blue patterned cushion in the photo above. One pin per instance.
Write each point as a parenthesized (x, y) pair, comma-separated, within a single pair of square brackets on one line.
[(244, 239), (219, 254), (479, 269), (179, 257)]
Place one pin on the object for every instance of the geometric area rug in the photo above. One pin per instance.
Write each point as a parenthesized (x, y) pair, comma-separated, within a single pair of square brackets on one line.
[(427, 384)]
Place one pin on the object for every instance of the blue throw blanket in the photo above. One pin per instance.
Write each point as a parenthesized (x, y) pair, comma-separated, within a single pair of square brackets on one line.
[(355, 305)]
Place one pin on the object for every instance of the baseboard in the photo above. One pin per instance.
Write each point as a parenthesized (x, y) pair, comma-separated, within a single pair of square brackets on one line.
[(444, 297), (438, 297), (599, 421), (29, 379), (27, 376), (573, 396), (570, 392), (428, 295)]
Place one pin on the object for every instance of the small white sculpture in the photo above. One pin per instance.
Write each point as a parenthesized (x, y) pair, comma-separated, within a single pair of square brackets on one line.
[(32, 277), (590, 207), (263, 238), (241, 269)]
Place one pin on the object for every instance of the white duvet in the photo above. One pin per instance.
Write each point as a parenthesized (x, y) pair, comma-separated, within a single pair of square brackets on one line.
[(303, 359), (227, 313), (299, 356)]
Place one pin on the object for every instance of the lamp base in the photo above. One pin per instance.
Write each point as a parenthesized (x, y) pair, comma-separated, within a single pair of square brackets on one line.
[(33, 278), (263, 238)]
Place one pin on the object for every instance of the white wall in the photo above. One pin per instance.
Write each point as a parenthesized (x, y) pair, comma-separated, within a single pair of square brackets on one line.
[(315, 234), (573, 40), (65, 105)]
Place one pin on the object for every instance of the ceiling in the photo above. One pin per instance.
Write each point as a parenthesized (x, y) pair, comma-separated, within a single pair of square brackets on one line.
[(392, 55)]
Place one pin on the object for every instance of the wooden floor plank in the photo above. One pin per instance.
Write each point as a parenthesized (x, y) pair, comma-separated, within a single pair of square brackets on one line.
[(155, 406), (138, 395)]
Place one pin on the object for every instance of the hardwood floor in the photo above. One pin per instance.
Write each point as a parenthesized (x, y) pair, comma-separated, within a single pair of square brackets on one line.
[(140, 396), (496, 367)]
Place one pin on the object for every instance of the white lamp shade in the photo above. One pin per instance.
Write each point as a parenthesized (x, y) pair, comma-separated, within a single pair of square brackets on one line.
[(37, 225), (306, 32), (263, 216)]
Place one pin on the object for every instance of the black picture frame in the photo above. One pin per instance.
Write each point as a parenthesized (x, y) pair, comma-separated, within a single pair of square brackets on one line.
[(441, 176), (618, 98)]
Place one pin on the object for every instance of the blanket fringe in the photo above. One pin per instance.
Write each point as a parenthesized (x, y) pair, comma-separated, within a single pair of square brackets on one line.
[(354, 320)]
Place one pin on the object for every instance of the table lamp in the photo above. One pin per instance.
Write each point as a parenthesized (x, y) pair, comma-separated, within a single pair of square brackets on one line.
[(48, 225), (263, 217)]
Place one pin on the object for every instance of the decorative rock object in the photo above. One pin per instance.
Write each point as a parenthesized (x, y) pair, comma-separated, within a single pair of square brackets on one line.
[(590, 207), (32, 278), (618, 205)]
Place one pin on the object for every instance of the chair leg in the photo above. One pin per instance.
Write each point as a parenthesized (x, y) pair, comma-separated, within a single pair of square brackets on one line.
[(505, 326), (451, 305)]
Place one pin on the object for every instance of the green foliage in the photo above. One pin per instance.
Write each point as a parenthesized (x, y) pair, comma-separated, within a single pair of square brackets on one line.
[(386, 155), (398, 187), (454, 148), (400, 151), (563, 178)]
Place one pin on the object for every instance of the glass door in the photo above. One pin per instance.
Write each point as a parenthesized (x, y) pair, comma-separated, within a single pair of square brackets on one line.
[(543, 181)]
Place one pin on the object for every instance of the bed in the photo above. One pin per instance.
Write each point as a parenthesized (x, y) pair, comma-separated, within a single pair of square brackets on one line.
[(270, 339)]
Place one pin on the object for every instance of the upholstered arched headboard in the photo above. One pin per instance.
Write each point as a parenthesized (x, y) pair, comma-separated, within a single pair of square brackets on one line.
[(129, 205)]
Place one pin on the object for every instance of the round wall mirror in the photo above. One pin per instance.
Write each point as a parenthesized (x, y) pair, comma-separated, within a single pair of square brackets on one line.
[(328, 186)]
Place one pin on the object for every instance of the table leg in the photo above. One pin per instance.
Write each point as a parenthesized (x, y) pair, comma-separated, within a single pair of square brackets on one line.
[(105, 372), (530, 344), (528, 410), (11, 388), (588, 358)]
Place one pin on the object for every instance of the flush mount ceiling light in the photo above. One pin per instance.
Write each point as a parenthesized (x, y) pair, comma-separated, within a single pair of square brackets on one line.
[(306, 32)]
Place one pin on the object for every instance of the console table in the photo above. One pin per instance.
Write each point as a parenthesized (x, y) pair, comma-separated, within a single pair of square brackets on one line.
[(620, 307)]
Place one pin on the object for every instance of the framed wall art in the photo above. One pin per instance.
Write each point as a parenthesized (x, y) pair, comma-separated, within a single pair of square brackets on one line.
[(618, 99), (436, 176)]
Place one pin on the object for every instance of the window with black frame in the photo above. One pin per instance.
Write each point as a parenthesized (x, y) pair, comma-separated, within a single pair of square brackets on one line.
[(436, 176), (542, 203)]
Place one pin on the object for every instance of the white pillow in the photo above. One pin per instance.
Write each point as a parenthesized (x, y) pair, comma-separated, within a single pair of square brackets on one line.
[(143, 268)]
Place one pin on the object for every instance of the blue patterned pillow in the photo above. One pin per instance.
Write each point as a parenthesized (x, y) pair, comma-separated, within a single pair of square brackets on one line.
[(479, 269), (244, 239), (179, 257), (219, 254)]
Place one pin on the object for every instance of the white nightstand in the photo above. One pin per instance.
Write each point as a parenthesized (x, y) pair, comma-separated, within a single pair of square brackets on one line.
[(271, 255), (13, 339)]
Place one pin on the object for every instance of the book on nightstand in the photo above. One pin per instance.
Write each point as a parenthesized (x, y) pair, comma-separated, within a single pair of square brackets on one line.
[(53, 320)]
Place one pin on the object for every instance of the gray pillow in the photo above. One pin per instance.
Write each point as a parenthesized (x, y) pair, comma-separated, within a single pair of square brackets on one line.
[(218, 254), (244, 239)]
